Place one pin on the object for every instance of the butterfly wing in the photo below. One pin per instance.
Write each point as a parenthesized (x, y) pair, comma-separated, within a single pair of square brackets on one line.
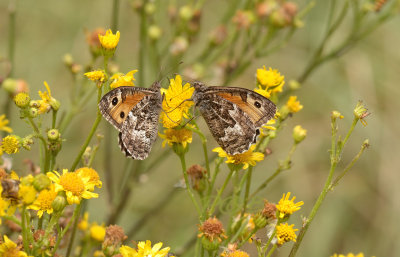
[(234, 115), (135, 113)]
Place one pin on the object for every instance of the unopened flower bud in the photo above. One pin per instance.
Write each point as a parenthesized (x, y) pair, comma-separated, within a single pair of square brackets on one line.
[(41, 182), (210, 245), (186, 12), (154, 32), (179, 46), (53, 134), (294, 84), (33, 112), (299, 134), (259, 220), (336, 115), (59, 203), (55, 104), (68, 60), (150, 8), (10, 85), (27, 142)]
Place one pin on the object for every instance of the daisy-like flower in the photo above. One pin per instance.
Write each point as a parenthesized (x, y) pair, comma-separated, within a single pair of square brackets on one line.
[(47, 101), (144, 249), (247, 158), (75, 186), (84, 223), (9, 248), (97, 232), (176, 105), (43, 202), (286, 206), (285, 233), (263, 92), (94, 178), (120, 80), (11, 144), (27, 193), (348, 255), (271, 79), (109, 41), (172, 136), (294, 105), (98, 76)]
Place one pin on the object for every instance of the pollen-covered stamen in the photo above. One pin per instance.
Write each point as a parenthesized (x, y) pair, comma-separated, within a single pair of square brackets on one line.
[(73, 183)]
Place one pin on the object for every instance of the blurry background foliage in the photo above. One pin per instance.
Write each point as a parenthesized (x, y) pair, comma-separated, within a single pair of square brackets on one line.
[(360, 216)]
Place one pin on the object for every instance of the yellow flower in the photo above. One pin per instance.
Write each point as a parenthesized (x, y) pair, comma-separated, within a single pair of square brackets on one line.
[(10, 249), (348, 255), (47, 101), (75, 186), (120, 80), (293, 104), (22, 100), (263, 92), (27, 193), (94, 178), (286, 206), (181, 136), (237, 253), (271, 79), (109, 41), (285, 233), (44, 201), (144, 249), (96, 76), (247, 158), (97, 232), (84, 223), (11, 144), (176, 104)]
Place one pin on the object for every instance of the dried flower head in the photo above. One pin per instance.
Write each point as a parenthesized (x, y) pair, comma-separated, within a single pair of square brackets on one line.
[(114, 235), (212, 229), (269, 210)]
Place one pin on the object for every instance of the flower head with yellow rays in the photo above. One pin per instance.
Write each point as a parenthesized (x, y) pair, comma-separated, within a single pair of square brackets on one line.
[(43, 202), (122, 80), (286, 206), (46, 100), (285, 233), (3, 124), (11, 144), (348, 255), (173, 136), (10, 249), (94, 178), (248, 158), (96, 76), (175, 104), (75, 186), (294, 105), (144, 249), (109, 41), (97, 232), (270, 79)]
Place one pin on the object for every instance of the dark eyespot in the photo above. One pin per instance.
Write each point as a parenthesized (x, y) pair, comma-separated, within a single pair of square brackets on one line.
[(122, 115), (257, 104), (114, 101)]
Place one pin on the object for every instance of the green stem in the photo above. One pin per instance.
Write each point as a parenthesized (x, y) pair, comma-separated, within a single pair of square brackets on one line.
[(114, 17), (11, 35), (188, 187), (92, 131), (246, 194), (13, 219), (272, 250), (75, 218), (54, 119), (25, 231), (143, 47), (220, 191)]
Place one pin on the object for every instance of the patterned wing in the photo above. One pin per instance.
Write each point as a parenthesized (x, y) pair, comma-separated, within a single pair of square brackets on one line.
[(139, 130)]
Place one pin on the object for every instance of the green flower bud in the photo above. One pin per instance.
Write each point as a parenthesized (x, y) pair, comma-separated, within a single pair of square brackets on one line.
[(186, 12), (55, 104), (27, 142), (53, 135), (294, 84), (59, 203), (33, 112), (10, 85), (210, 245), (154, 32), (41, 182), (299, 134), (150, 8), (259, 220)]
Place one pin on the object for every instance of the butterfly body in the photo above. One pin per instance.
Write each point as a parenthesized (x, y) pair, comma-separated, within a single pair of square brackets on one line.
[(233, 115), (134, 112)]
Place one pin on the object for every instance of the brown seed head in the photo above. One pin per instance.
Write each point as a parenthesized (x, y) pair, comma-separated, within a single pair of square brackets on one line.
[(114, 235), (269, 210)]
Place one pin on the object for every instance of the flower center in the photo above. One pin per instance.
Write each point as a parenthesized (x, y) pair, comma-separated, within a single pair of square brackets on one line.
[(73, 183)]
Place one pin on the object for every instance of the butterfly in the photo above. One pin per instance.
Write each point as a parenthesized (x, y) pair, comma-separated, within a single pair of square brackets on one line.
[(134, 112), (234, 115)]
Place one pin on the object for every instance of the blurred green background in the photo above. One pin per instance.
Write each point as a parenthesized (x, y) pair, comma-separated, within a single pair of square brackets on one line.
[(360, 215)]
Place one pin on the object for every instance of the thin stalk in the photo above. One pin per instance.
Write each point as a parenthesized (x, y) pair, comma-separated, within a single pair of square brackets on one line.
[(221, 190), (188, 187), (92, 131), (76, 219), (246, 194), (143, 47), (114, 17), (272, 250), (11, 35), (25, 232)]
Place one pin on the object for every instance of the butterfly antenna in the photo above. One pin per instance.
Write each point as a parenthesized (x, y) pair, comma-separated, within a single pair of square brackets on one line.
[(162, 77)]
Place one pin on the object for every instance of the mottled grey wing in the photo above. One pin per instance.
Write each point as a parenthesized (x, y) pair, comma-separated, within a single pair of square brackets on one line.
[(139, 130), (231, 127)]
